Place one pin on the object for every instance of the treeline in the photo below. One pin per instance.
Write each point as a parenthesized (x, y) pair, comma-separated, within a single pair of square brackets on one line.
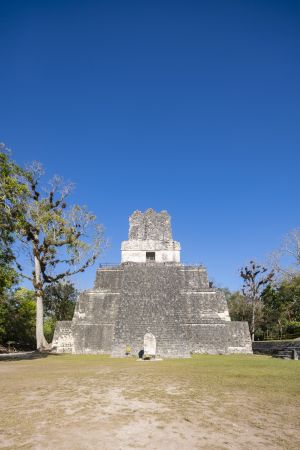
[(62, 239), (277, 312), (18, 314), (270, 296)]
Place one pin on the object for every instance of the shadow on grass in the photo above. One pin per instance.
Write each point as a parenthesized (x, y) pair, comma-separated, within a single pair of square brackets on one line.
[(19, 356)]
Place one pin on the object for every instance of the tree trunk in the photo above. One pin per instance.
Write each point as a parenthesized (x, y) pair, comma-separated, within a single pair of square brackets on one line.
[(41, 343), (253, 322)]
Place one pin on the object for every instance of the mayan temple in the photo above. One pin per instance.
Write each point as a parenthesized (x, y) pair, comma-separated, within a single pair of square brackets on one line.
[(151, 303)]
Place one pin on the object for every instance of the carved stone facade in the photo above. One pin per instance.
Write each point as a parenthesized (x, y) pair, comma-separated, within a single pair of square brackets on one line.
[(150, 226), (150, 238), (151, 292)]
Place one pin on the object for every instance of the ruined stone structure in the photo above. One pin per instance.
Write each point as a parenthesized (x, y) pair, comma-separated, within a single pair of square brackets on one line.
[(151, 293)]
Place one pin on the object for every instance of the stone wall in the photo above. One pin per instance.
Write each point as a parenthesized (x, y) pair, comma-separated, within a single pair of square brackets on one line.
[(150, 225), (135, 251), (63, 337), (148, 304), (169, 300), (270, 347), (94, 320), (109, 279), (220, 338), (150, 232), (175, 304), (96, 311)]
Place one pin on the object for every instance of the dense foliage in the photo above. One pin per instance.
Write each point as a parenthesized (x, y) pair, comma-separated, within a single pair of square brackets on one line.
[(59, 304), (17, 318), (18, 311), (277, 313), (13, 190), (60, 239), (282, 309)]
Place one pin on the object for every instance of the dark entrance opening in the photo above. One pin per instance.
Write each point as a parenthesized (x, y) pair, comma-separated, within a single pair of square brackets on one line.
[(150, 256)]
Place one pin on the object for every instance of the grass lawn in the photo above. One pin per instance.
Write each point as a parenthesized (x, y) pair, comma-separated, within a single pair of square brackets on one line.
[(97, 402)]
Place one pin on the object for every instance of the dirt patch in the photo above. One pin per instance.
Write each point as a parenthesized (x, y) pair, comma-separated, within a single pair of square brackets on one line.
[(98, 402)]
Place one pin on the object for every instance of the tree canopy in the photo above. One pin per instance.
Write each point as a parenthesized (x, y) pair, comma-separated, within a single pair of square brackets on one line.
[(13, 188), (61, 239)]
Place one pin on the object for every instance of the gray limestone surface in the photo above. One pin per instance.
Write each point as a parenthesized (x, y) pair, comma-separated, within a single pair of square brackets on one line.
[(168, 300), (149, 344), (150, 226)]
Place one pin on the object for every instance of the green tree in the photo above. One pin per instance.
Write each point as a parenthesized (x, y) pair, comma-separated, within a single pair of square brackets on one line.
[(17, 317), (60, 299), (282, 306), (13, 192), (24, 317), (62, 240), (3, 317), (59, 304), (239, 308)]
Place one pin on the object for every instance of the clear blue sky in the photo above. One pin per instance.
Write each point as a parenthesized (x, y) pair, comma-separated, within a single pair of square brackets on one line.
[(188, 106)]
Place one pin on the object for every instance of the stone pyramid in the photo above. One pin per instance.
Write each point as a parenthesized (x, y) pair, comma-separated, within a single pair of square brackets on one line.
[(151, 292)]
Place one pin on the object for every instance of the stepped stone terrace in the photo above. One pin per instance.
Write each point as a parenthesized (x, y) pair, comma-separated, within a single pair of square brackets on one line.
[(151, 295)]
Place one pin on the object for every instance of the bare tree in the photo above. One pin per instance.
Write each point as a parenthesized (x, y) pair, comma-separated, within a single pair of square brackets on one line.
[(62, 240), (286, 260), (256, 279)]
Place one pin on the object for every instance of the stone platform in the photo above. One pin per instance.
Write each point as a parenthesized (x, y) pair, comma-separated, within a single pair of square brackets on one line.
[(171, 301)]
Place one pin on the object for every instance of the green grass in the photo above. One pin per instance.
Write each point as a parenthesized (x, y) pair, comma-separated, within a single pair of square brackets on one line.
[(207, 392)]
